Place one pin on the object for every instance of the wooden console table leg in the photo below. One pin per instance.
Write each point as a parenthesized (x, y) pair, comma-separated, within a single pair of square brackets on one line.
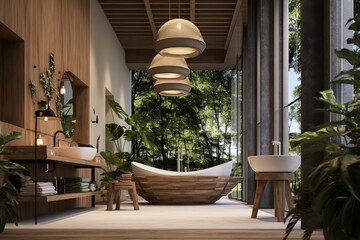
[(260, 186)]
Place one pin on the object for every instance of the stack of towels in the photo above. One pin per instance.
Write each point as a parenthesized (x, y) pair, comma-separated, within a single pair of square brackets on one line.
[(43, 189), (77, 185)]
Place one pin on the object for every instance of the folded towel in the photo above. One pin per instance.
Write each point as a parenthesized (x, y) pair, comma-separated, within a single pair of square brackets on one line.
[(39, 184), (77, 184), (77, 179), (38, 190), (32, 188), (77, 190), (46, 193)]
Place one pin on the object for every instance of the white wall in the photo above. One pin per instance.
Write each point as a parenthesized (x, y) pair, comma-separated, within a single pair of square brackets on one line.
[(107, 71)]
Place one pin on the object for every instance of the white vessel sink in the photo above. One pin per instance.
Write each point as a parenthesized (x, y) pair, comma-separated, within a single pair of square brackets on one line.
[(83, 153), (274, 163)]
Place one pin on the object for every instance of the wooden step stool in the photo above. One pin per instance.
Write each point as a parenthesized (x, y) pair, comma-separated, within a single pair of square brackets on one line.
[(281, 184), (114, 191)]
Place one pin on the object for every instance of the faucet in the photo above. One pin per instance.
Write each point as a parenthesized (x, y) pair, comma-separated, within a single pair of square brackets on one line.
[(277, 147), (55, 136)]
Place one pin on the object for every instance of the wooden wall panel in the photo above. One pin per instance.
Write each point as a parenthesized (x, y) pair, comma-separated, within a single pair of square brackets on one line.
[(13, 15), (12, 97), (51, 26), (61, 27)]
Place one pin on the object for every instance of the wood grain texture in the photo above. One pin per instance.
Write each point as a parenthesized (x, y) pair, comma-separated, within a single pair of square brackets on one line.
[(61, 27), (169, 234), (42, 27), (184, 190)]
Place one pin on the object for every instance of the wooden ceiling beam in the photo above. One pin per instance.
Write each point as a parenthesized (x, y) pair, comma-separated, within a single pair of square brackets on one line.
[(151, 18), (233, 22), (192, 11), (135, 22)]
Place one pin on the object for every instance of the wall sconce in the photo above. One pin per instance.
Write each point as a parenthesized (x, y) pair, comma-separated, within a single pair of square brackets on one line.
[(45, 113)]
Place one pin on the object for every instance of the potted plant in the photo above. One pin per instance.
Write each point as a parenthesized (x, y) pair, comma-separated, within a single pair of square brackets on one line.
[(9, 204), (332, 197), (134, 131)]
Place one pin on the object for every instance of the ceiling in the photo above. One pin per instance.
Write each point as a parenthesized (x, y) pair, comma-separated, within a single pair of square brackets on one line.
[(136, 23)]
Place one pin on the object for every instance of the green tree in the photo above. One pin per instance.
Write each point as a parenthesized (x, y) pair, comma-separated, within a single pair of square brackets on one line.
[(295, 34), (199, 122)]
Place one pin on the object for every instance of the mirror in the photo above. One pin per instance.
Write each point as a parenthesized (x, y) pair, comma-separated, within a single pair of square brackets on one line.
[(66, 112), (75, 116)]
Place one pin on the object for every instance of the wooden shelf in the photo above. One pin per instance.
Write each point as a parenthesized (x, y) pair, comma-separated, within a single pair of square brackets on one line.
[(59, 197), (26, 155)]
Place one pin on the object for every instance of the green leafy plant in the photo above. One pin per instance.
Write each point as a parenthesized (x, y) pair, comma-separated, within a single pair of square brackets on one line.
[(32, 87), (332, 196), (9, 204), (46, 79), (134, 130), (67, 118)]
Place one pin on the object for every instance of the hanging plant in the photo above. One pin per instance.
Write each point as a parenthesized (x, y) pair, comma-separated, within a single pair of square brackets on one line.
[(58, 103), (46, 79), (32, 91)]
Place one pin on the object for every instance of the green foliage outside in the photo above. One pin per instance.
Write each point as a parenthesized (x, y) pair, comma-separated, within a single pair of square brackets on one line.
[(294, 35), (333, 192), (200, 123), (125, 128), (67, 118)]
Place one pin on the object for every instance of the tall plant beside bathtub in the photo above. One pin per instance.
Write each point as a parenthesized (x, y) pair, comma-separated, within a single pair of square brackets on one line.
[(134, 130), (333, 191)]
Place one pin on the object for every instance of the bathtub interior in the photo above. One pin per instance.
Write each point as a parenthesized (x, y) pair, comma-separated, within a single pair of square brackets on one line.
[(224, 169)]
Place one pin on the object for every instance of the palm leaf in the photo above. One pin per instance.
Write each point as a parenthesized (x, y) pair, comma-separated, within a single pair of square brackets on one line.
[(118, 110), (6, 138), (349, 55), (349, 217), (350, 168), (114, 131)]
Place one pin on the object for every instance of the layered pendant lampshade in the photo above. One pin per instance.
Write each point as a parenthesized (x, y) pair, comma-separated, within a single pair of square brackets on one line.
[(168, 68), (171, 88), (179, 38)]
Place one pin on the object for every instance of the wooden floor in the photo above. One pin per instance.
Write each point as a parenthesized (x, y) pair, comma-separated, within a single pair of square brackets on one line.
[(178, 234)]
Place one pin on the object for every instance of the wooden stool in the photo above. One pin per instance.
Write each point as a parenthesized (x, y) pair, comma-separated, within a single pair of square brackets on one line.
[(281, 184), (115, 191)]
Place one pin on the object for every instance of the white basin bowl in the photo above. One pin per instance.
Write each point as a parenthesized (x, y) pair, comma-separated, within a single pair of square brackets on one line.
[(83, 153), (274, 163)]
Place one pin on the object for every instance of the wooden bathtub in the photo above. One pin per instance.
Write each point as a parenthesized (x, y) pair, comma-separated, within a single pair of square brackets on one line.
[(159, 186)]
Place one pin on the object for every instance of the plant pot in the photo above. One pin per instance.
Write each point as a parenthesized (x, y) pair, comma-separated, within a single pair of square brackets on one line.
[(337, 234)]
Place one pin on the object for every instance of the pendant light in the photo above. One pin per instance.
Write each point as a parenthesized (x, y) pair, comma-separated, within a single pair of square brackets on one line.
[(179, 38), (168, 68), (171, 88)]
